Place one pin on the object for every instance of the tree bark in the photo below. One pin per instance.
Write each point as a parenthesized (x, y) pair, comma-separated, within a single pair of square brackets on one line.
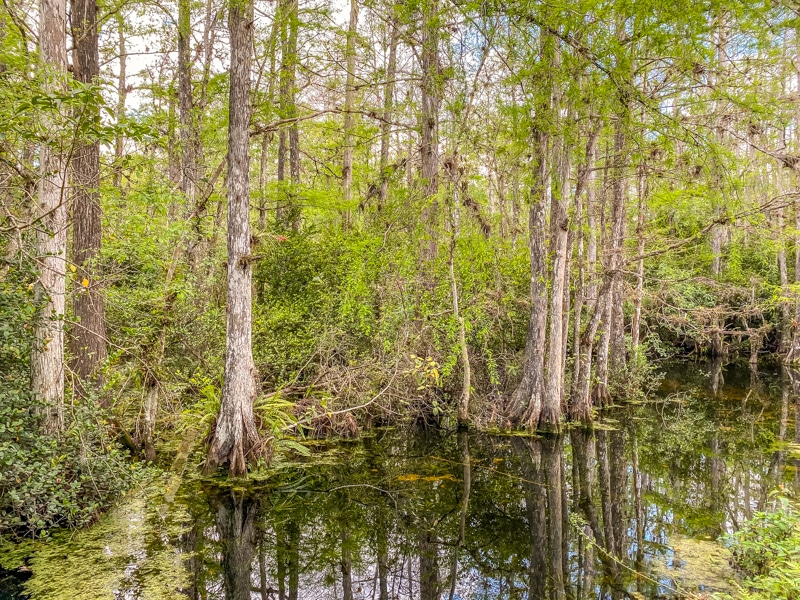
[(88, 342), (235, 433), (550, 418), (122, 95), (429, 126), (388, 105), (525, 405), (47, 362), (637, 300), (349, 117)]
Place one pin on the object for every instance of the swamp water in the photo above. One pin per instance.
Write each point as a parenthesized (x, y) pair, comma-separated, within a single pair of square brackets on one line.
[(632, 510)]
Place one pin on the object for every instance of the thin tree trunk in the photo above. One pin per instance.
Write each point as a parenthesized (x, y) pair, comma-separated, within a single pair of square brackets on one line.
[(616, 324), (349, 120), (288, 137), (793, 354), (47, 362), (262, 181), (388, 105), (637, 300), (189, 136), (88, 342), (464, 400), (122, 95), (429, 126), (235, 433)]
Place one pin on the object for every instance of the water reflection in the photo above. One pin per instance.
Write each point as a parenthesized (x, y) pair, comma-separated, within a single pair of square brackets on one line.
[(446, 516)]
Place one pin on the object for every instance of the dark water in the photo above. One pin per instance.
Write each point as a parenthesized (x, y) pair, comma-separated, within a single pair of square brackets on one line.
[(631, 510)]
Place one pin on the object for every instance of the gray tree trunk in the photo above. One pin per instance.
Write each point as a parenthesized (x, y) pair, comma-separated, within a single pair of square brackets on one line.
[(349, 117), (235, 433), (47, 362), (388, 105)]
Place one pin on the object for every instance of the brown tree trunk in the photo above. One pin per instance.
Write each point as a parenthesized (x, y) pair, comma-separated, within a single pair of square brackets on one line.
[(88, 342), (47, 362), (235, 433)]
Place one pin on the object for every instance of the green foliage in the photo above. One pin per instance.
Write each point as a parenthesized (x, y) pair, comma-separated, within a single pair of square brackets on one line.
[(47, 481), (766, 550)]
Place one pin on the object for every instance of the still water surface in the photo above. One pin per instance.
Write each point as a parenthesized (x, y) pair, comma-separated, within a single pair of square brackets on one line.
[(631, 510)]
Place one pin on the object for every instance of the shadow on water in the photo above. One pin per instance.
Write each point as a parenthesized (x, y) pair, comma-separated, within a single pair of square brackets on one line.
[(630, 510)]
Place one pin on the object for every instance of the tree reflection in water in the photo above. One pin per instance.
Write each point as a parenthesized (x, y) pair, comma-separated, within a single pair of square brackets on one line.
[(589, 514)]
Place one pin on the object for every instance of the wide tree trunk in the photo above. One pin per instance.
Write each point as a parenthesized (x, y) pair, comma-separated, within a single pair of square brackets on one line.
[(553, 392), (525, 405), (47, 362), (235, 433), (88, 342)]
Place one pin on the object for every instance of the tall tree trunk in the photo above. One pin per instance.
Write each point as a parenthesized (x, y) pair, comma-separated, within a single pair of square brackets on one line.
[(464, 400), (637, 300), (288, 136), (525, 405), (793, 354), (552, 397), (388, 105), (190, 139), (88, 342), (122, 95), (47, 362), (429, 126), (349, 120), (579, 405), (235, 432), (617, 324)]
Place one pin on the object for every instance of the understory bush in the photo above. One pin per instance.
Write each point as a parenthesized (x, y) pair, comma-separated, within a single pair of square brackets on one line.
[(766, 551), (48, 480)]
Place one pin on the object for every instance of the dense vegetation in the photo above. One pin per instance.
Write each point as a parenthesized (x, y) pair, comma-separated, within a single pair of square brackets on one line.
[(240, 223)]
